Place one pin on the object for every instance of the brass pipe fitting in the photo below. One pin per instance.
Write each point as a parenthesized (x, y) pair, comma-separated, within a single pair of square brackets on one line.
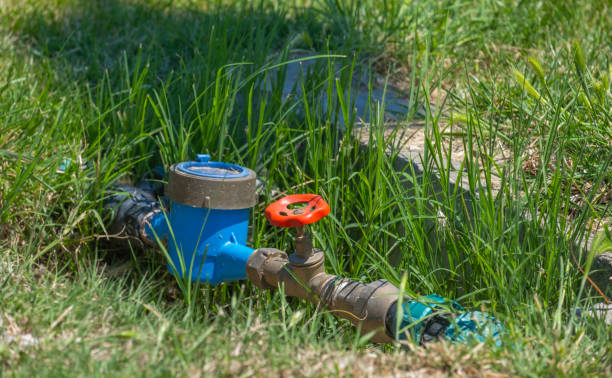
[(364, 305)]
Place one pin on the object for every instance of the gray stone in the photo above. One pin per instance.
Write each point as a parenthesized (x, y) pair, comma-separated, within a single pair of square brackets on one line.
[(315, 71), (600, 311)]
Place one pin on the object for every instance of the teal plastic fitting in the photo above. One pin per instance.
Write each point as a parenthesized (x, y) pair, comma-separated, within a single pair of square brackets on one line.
[(435, 316)]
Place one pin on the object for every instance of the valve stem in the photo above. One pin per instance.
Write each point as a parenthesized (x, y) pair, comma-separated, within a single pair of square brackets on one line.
[(303, 245), (301, 230)]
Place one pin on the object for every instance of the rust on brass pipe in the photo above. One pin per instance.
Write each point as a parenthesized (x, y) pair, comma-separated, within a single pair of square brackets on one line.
[(303, 276)]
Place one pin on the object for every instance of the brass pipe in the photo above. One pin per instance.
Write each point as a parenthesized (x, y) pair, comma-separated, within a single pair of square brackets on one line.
[(364, 305)]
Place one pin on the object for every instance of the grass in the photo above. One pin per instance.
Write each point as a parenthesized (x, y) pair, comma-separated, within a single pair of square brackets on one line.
[(122, 86)]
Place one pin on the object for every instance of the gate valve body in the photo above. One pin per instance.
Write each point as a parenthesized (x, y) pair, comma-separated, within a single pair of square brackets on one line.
[(297, 211), (302, 274)]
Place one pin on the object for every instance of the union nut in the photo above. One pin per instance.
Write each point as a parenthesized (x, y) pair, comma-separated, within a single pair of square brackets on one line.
[(256, 263)]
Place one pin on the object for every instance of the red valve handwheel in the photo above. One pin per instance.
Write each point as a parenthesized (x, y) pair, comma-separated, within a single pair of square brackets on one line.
[(280, 215)]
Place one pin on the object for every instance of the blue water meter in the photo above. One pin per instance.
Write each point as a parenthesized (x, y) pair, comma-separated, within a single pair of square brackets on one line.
[(206, 228)]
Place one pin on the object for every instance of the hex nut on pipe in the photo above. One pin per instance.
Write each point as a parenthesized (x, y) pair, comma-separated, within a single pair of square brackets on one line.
[(255, 265), (376, 303), (361, 304)]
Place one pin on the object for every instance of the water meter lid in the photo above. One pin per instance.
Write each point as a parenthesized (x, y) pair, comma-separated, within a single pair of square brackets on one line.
[(203, 167), (211, 184)]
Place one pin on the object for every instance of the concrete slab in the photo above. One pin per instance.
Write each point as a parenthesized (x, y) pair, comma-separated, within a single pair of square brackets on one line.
[(294, 74)]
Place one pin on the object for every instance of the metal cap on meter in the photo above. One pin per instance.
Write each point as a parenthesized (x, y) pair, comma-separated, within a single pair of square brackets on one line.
[(211, 184)]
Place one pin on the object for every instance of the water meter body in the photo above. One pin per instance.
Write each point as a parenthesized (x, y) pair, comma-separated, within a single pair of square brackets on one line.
[(207, 224)]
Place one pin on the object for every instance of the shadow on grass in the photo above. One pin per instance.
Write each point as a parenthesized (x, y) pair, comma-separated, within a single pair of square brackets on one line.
[(127, 55), (91, 39)]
